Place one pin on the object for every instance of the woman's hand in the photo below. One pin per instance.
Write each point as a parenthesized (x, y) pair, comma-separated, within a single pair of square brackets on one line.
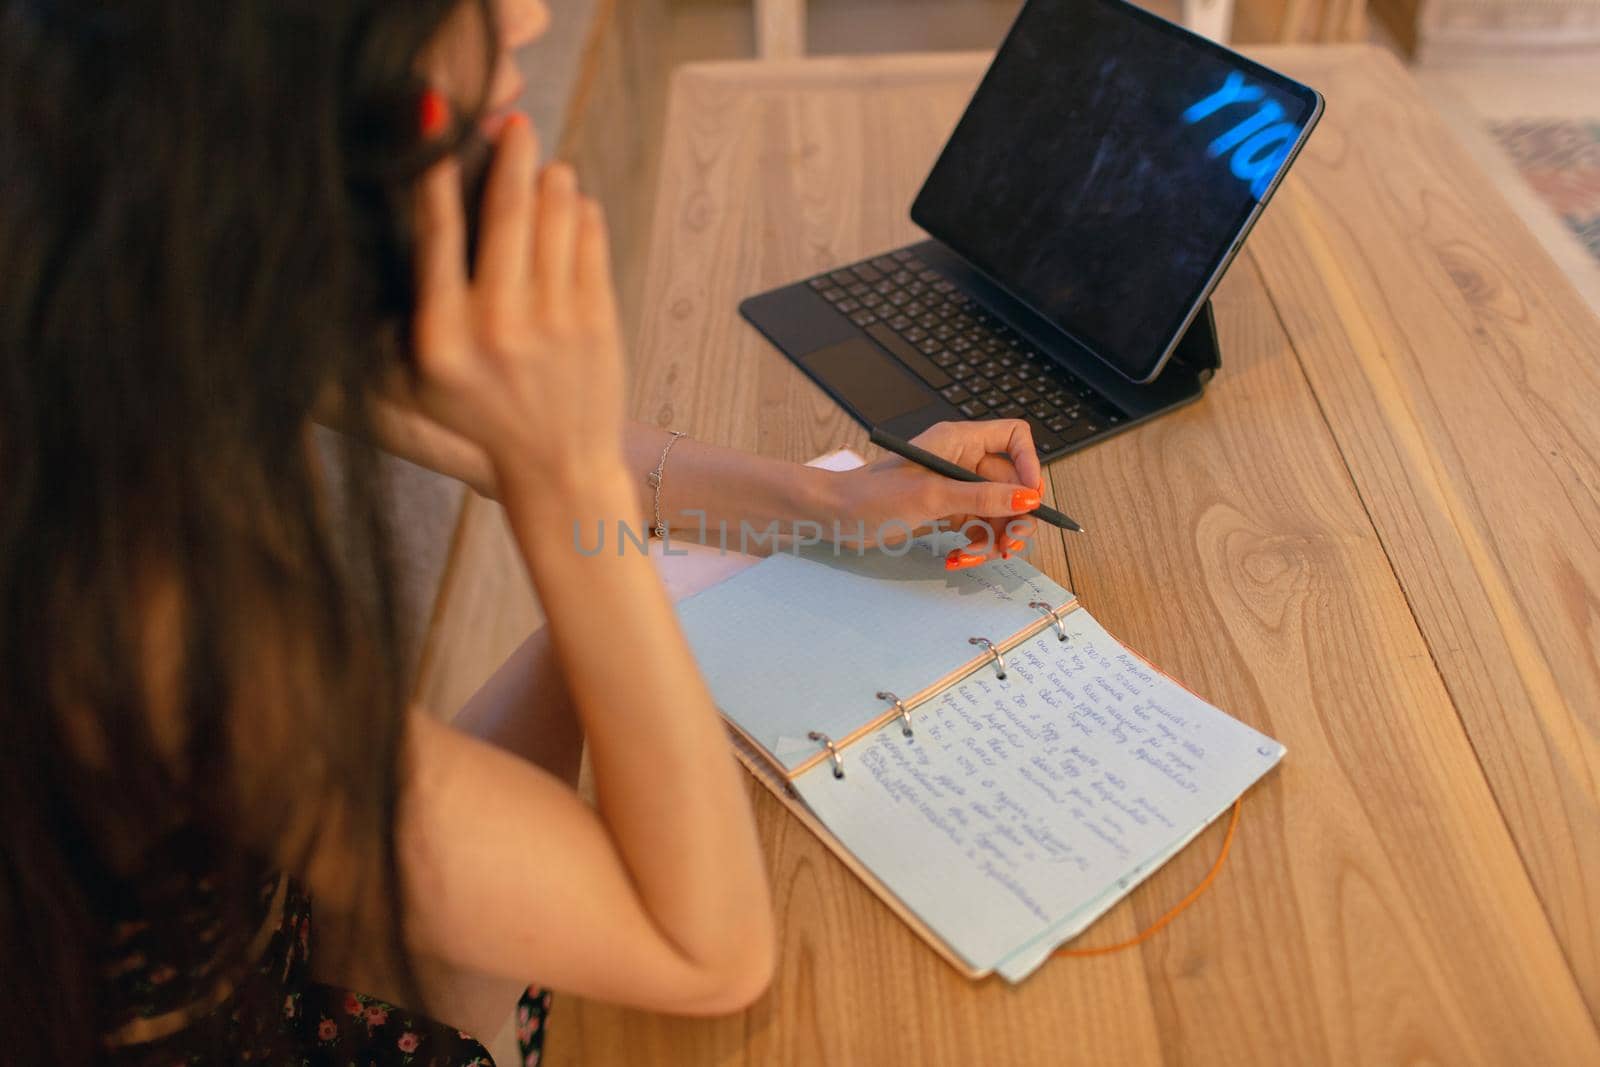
[(524, 358), (894, 497)]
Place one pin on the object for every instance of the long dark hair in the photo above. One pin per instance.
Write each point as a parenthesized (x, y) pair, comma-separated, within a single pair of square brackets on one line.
[(202, 237)]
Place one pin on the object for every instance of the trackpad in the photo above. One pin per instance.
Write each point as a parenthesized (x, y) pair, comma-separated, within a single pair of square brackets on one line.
[(869, 378)]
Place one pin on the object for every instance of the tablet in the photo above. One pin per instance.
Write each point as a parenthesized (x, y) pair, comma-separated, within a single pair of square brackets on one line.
[(1108, 169)]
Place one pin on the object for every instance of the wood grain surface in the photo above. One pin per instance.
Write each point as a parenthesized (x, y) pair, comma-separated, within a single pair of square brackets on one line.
[(1373, 539)]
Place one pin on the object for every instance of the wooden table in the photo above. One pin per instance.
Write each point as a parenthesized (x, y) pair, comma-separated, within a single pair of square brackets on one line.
[(1374, 539), (781, 24)]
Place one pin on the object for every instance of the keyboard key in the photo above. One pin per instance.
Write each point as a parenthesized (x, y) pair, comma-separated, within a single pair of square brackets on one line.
[(859, 288), (899, 322), (901, 276), (974, 409), (990, 369), (901, 254), (915, 334), (1008, 383), (819, 283), (1025, 397), (1010, 411), (919, 364), (916, 288), (961, 371), (928, 320), (929, 345), (847, 306), (994, 398), (898, 299), (955, 393), (1077, 432), (1041, 411), (863, 318), (1026, 374), (943, 286), (928, 275), (885, 264), (944, 357), (843, 278), (915, 308), (871, 300), (1058, 423), (867, 272), (833, 296), (1043, 440), (944, 331)]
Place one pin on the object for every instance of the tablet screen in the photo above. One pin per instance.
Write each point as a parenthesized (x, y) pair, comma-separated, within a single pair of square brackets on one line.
[(1106, 169)]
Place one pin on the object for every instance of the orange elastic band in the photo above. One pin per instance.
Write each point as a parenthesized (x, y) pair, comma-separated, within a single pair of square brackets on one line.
[(1194, 894)]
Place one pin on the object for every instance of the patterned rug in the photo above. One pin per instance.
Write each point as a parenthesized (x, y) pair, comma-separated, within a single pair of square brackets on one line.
[(1560, 159)]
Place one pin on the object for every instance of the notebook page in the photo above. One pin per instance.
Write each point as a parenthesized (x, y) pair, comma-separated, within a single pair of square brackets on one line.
[(803, 641), (1019, 805), (1024, 961)]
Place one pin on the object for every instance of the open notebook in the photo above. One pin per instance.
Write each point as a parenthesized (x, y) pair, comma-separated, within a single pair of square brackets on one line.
[(1018, 796)]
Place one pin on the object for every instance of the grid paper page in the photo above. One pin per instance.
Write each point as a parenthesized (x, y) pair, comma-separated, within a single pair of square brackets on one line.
[(803, 641)]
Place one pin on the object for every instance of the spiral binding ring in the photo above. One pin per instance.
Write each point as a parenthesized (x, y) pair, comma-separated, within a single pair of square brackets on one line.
[(999, 660), (833, 751), (1055, 617), (905, 716)]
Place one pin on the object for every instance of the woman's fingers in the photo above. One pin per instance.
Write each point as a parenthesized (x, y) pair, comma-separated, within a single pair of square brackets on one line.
[(594, 261), (556, 237), (1000, 533), (441, 269), (505, 235), (1014, 438), (441, 235)]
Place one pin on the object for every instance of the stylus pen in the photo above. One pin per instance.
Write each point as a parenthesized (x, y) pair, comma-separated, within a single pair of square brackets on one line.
[(940, 465)]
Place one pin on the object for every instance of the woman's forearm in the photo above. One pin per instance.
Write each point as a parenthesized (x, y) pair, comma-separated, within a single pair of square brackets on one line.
[(665, 781), (706, 488), (405, 432), (708, 491)]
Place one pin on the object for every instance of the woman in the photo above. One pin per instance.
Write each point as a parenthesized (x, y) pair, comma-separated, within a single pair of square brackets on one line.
[(220, 221)]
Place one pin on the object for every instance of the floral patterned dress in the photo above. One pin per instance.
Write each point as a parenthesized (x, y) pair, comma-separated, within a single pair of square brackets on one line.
[(276, 1014)]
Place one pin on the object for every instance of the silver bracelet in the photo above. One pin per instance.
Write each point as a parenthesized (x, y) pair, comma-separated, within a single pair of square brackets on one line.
[(654, 478)]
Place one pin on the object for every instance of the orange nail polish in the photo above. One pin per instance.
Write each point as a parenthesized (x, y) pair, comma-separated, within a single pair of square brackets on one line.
[(959, 560), (435, 113), (1024, 500), (1015, 545)]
